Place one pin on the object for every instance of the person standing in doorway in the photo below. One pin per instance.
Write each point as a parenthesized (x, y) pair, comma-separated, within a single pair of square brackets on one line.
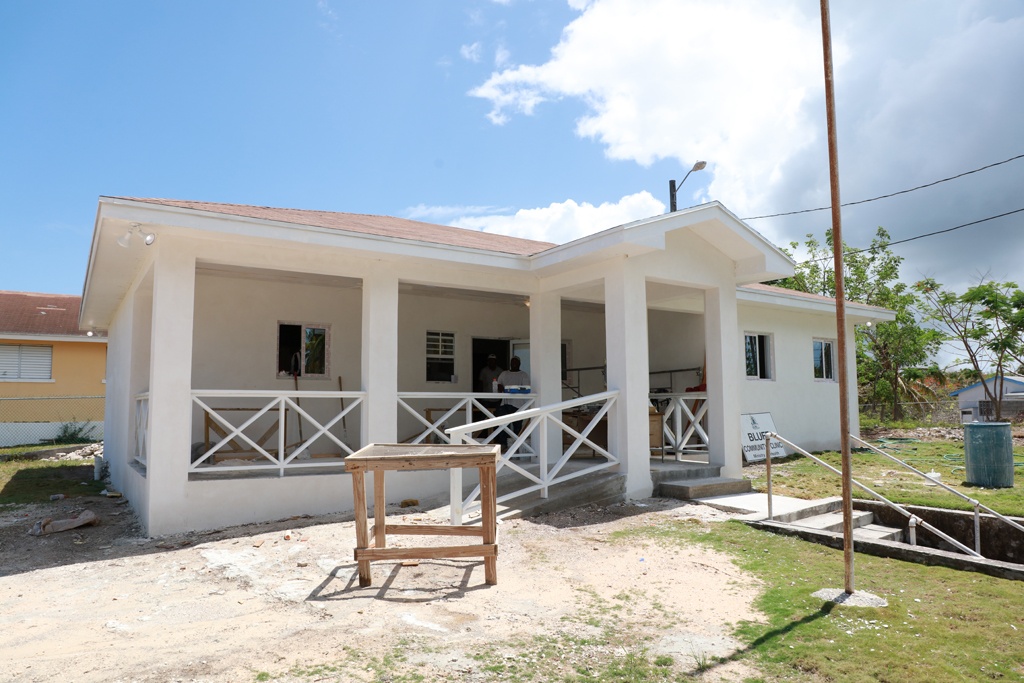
[(513, 377), (488, 378)]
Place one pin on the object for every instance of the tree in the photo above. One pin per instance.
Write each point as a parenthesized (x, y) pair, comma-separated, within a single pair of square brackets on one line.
[(987, 320), (889, 353)]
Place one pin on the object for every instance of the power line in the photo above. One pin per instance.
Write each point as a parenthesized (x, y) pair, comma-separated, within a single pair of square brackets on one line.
[(917, 237), (892, 194)]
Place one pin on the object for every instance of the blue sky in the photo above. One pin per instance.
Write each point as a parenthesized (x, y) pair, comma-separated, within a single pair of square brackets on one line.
[(542, 118)]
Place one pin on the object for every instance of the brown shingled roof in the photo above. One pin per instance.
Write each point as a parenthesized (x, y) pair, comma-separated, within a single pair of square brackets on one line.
[(383, 226), (26, 313)]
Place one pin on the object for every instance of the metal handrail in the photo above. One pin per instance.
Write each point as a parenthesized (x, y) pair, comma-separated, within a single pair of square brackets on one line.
[(976, 504), (914, 519)]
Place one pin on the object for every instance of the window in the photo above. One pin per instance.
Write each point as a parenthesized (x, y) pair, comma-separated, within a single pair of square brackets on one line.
[(758, 355), (440, 356), (25, 363), (302, 350), (824, 365)]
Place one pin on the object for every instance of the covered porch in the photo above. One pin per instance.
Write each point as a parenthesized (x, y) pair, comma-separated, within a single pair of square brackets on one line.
[(246, 371)]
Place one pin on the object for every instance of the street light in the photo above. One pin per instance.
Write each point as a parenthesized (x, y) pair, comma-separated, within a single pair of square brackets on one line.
[(673, 187)]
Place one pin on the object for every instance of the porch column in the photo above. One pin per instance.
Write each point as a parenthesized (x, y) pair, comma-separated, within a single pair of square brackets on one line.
[(546, 360), (625, 310), (170, 385), (722, 344), (380, 357)]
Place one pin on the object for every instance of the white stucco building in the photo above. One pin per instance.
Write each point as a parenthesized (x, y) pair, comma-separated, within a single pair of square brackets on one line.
[(210, 421)]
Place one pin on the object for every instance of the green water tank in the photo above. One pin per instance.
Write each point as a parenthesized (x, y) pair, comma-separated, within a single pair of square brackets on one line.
[(988, 451)]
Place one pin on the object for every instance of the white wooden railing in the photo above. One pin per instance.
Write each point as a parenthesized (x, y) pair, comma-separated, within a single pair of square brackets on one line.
[(682, 428), (543, 421), (141, 454), (262, 441), (437, 411)]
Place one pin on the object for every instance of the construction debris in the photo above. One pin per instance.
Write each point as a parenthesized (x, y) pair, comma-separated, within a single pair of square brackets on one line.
[(50, 526)]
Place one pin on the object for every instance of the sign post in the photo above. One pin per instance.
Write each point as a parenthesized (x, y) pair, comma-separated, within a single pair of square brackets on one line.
[(754, 427)]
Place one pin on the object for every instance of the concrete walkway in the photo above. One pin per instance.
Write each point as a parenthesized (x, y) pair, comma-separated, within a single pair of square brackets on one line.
[(754, 506)]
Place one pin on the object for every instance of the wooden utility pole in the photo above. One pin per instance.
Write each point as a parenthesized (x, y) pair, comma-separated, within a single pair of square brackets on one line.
[(837, 251)]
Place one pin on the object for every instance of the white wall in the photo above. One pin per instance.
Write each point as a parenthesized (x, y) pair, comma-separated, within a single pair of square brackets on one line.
[(676, 341), (805, 410), (235, 344), (584, 330)]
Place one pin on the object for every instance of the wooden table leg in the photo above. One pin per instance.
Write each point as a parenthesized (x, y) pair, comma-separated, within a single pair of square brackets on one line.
[(378, 509), (362, 532), (489, 518)]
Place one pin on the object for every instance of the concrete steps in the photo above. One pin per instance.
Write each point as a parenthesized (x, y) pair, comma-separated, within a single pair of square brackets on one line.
[(690, 481), (826, 518), (704, 487)]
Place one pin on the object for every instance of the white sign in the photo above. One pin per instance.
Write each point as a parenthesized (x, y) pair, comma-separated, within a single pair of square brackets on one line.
[(753, 427)]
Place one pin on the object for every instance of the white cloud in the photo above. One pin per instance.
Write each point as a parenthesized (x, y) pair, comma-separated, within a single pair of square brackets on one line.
[(502, 57), (443, 214), (565, 221), (471, 52), (686, 80), (925, 89)]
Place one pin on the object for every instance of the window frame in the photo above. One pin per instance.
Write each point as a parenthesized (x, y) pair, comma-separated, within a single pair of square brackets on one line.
[(765, 357), (304, 328), (830, 373), (20, 363), (442, 341)]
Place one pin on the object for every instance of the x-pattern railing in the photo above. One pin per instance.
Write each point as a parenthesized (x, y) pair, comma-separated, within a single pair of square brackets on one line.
[(682, 428), (541, 421), (464, 410), (264, 456)]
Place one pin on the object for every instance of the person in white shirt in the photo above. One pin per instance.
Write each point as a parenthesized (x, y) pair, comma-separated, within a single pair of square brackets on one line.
[(513, 377)]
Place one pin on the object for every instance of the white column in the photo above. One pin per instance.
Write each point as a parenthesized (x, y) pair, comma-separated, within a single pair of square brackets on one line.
[(546, 362), (722, 345), (625, 297), (170, 385), (379, 365)]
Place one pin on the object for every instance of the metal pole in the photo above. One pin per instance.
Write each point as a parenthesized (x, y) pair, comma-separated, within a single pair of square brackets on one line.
[(837, 251), (768, 469)]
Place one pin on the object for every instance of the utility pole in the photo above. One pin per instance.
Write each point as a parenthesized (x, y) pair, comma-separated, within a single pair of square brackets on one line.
[(837, 253)]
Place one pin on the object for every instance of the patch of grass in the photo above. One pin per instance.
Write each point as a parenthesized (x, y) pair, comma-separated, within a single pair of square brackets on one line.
[(34, 481), (940, 625), (801, 477)]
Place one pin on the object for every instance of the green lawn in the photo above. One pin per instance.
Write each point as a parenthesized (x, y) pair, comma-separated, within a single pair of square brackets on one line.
[(800, 477), (34, 481), (940, 625)]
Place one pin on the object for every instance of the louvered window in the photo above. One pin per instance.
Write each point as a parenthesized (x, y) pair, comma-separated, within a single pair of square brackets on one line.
[(25, 363), (440, 356)]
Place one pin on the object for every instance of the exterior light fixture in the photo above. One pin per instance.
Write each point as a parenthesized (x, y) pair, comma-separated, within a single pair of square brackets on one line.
[(125, 240), (673, 186)]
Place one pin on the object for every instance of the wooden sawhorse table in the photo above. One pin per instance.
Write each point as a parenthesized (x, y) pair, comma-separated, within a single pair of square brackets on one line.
[(380, 458)]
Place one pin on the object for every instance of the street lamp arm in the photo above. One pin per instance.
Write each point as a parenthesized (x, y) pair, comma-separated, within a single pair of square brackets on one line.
[(673, 186)]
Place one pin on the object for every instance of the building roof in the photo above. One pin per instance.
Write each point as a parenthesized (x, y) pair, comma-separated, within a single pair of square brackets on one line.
[(1016, 380), (864, 310), (382, 226), (27, 314)]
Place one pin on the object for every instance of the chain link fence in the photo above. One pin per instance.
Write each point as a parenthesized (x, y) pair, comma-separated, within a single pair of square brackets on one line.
[(35, 420), (935, 413)]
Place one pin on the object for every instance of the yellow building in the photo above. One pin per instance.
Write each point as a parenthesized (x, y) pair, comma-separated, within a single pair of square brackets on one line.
[(51, 372)]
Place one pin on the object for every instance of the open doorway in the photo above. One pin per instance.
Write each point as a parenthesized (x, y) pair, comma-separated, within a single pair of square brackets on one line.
[(482, 348)]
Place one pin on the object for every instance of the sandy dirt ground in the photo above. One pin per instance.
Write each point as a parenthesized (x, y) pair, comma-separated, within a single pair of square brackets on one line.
[(282, 599)]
